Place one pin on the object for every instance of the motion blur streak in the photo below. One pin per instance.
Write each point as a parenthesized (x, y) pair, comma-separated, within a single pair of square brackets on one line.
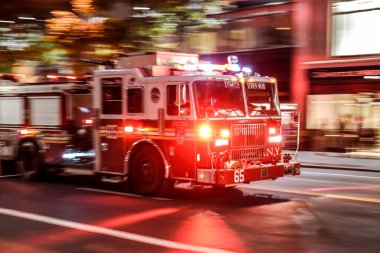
[(108, 232), (55, 236), (134, 218)]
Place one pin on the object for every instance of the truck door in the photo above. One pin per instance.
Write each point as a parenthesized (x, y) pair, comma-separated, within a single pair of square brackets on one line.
[(180, 121), (110, 101)]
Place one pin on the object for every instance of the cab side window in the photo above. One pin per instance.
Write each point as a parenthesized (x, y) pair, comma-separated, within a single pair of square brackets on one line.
[(135, 100), (111, 95), (178, 100)]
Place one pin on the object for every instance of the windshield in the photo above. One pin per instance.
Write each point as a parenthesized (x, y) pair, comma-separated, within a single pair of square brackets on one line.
[(219, 99), (262, 99)]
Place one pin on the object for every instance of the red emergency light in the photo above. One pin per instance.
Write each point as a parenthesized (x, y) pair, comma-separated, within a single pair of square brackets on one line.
[(56, 77), (88, 122)]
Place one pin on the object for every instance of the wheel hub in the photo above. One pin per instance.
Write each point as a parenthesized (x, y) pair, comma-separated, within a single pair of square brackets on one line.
[(146, 171)]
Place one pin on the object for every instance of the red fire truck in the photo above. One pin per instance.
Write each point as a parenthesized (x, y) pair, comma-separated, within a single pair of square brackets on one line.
[(156, 120)]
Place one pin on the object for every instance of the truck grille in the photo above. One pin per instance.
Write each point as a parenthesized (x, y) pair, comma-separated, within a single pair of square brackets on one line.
[(247, 141)]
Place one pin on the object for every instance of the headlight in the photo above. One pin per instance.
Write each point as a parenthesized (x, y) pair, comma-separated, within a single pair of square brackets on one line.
[(205, 132)]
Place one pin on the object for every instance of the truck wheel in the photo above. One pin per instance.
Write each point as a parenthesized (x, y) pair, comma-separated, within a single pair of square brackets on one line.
[(147, 172), (28, 162)]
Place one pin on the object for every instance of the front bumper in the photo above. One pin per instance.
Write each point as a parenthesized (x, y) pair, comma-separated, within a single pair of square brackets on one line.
[(246, 174)]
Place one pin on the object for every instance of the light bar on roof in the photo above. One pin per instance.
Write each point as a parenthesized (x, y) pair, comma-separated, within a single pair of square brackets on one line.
[(232, 66), (190, 67)]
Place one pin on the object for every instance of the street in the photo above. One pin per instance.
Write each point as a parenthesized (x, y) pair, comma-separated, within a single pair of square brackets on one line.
[(319, 211), (263, 114)]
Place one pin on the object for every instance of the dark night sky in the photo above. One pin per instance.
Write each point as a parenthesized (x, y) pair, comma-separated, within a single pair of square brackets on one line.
[(11, 9), (40, 9)]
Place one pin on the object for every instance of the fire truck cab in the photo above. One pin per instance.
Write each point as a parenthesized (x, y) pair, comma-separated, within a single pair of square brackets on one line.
[(163, 119), (187, 123)]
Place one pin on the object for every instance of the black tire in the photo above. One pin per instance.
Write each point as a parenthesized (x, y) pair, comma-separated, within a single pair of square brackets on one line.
[(147, 172), (28, 162)]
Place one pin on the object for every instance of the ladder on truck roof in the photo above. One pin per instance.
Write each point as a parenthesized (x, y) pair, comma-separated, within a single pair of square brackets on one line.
[(44, 88)]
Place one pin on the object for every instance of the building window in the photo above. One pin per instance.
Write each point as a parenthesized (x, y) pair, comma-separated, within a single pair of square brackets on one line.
[(353, 30)]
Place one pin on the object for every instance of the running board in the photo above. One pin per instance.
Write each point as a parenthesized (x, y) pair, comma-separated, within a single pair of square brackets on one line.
[(113, 179), (78, 171), (188, 185)]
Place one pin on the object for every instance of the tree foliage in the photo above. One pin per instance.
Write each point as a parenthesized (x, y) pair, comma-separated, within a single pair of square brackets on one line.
[(98, 29), (130, 25)]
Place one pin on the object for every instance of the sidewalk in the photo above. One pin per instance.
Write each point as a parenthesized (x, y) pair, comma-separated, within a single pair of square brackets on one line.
[(362, 161)]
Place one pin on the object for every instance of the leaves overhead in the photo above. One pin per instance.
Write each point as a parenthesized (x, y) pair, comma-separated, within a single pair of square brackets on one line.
[(98, 29), (132, 25)]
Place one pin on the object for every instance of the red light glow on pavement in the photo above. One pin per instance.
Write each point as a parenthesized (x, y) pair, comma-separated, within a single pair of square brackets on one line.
[(61, 236), (137, 217), (208, 229), (91, 229)]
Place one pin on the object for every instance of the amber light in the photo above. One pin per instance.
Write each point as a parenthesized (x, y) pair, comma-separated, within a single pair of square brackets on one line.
[(223, 140), (225, 133), (272, 130), (52, 76), (273, 80), (24, 131)]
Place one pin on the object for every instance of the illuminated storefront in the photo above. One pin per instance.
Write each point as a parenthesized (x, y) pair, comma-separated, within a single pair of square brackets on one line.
[(344, 108), (343, 105)]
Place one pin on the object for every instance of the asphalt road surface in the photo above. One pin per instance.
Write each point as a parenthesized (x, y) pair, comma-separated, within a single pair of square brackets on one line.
[(319, 211)]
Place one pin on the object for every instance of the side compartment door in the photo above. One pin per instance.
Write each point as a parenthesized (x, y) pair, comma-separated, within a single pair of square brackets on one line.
[(12, 117), (47, 112)]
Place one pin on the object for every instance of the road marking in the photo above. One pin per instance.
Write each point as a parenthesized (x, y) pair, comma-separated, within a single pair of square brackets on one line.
[(109, 232), (119, 193), (13, 175), (313, 194), (359, 185), (309, 180), (341, 175)]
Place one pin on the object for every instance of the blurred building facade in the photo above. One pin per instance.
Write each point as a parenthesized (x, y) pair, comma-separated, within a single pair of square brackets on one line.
[(325, 55), (340, 68)]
